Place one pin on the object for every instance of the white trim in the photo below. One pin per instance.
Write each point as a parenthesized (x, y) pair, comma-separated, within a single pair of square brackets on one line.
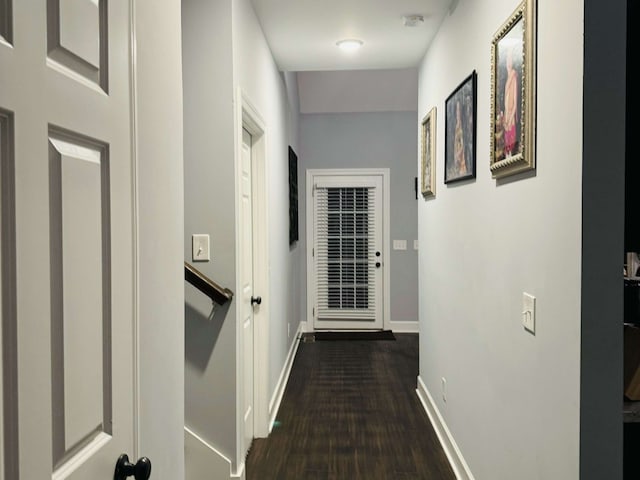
[(276, 398), (454, 455), (136, 230), (75, 462), (403, 327), (386, 249), (216, 457), (247, 116), (305, 327), (386, 232)]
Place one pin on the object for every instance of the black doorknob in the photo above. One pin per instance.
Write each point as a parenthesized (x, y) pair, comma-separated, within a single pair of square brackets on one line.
[(378, 264), (377, 254), (140, 471), (256, 300)]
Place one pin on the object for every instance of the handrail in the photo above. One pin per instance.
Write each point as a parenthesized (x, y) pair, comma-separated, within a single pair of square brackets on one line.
[(207, 286)]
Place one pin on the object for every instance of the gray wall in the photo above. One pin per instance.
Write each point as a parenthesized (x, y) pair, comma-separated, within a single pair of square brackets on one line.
[(602, 240), (274, 95), (161, 210), (371, 140), (209, 179), (224, 50), (513, 399)]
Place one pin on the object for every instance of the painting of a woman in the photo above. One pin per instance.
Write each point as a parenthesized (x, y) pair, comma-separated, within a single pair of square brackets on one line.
[(508, 121), (510, 106), (460, 139), (513, 93), (458, 143)]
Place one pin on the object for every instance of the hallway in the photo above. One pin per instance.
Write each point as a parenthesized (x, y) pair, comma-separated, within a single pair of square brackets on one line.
[(350, 411)]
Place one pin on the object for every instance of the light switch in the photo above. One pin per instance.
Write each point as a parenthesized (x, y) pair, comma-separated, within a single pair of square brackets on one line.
[(200, 248), (529, 312), (415, 244), (399, 244)]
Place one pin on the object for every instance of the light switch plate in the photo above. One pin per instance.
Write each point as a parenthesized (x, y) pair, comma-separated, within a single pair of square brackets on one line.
[(200, 247), (415, 244), (399, 244), (529, 312)]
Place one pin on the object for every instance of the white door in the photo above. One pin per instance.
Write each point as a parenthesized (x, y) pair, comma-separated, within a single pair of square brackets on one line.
[(347, 252), (65, 95), (246, 262)]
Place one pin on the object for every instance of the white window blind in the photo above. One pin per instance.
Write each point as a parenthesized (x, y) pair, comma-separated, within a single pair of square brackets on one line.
[(345, 255)]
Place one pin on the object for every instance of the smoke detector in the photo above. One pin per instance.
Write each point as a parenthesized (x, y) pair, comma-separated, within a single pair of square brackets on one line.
[(413, 20)]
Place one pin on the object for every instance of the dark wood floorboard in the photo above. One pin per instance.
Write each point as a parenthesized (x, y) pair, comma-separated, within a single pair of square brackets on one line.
[(350, 412)]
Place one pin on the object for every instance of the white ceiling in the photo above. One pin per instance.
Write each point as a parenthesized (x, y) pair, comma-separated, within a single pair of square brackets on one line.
[(302, 34)]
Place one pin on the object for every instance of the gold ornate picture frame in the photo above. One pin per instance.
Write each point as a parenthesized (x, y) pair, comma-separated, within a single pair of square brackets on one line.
[(513, 93), (428, 153)]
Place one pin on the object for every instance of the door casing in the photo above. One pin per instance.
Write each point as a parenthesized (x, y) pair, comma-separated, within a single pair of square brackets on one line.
[(249, 118)]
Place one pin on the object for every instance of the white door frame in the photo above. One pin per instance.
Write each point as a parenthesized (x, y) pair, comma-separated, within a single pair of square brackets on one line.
[(386, 210), (249, 118)]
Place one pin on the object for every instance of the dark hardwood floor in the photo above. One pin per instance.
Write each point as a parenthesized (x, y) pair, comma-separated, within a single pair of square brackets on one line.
[(350, 412)]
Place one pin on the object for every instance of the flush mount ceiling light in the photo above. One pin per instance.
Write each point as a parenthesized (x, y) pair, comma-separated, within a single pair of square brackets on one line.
[(349, 45), (413, 20)]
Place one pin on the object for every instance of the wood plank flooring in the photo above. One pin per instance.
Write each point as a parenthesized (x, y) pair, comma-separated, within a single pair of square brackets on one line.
[(350, 412)]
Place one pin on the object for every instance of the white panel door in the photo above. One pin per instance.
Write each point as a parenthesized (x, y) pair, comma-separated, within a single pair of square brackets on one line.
[(347, 252), (65, 79), (247, 305)]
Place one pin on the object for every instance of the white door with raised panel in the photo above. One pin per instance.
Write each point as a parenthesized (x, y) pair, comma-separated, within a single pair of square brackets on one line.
[(347, 260), (248, 300), (67, 237)]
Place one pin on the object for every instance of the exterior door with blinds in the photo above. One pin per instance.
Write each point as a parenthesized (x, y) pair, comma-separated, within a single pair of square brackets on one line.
[(347, 252)]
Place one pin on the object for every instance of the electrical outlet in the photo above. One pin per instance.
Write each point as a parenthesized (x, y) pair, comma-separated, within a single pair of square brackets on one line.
[(399, 244), (444, 389)]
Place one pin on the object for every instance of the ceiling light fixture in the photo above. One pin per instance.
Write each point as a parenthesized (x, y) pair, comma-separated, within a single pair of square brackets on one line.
[(349, 45), (413, 20)]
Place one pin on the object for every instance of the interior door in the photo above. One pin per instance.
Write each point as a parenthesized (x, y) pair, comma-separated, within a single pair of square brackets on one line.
[(248, 300), (347, 252), (65, 84)]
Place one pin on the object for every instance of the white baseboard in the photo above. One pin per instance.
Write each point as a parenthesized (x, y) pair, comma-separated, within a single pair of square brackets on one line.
[(276, 398), (402, 327), (458, 464), (204, 462), (306, 327)]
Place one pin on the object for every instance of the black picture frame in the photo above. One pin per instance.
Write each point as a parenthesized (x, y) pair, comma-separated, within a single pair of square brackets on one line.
[(293, 197), (460, 131)]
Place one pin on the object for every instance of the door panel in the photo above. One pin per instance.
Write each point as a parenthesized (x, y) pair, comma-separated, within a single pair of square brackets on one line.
[(6, 21), (74, 234), (77, 38), (81, 391), (347, 252), (8, 362), (247, 289)]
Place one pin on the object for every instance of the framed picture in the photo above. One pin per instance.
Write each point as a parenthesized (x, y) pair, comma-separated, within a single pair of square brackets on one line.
[(460, 132), (513, 93), (293, 197), (428, 153)]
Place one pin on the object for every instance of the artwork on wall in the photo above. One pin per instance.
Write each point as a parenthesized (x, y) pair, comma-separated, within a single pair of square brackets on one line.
[(293, 197), (428, 153), (460, 132), (513, 96)]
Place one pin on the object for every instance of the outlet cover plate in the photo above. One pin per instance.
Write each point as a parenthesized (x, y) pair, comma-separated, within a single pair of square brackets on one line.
[(200, 247), (529, 312)]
